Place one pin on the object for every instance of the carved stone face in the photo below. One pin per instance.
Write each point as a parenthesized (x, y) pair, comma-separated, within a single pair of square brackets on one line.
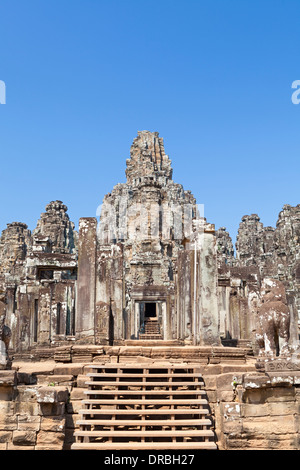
[(273, 291), (268, 285)]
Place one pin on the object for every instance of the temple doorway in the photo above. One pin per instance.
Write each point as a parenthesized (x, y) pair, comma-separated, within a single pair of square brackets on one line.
[(150, 310), (150, 324)]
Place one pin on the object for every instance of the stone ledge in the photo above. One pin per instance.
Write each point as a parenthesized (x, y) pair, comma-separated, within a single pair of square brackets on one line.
[(52, 395), (8, 378)]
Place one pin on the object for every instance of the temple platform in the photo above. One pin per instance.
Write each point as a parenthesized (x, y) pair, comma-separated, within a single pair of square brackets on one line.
[(136, 351)]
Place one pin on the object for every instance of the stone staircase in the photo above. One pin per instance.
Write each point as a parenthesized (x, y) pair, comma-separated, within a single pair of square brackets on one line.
[(151, 330), (144, 407)]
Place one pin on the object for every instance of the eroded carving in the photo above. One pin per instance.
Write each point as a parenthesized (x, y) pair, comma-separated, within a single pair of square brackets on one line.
[(273, 319)]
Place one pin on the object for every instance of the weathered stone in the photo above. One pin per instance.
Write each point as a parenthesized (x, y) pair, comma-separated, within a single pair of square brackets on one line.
[(150, 250), (8, 378), (5, 436), (52, 394), (150, 282), (52, 409), (69, 369), (266, 426), (29, 423), (53, 424), (24, 438), (8, 422), (50, 439)]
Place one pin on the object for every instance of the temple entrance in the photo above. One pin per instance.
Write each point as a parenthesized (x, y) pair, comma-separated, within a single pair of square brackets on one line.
[(150, 310), (150, 320)]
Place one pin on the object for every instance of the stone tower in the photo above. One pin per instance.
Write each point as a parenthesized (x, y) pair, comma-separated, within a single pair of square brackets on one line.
[(143, 257)]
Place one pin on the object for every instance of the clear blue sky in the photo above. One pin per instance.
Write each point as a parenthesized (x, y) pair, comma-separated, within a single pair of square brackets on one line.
[(212, 77)]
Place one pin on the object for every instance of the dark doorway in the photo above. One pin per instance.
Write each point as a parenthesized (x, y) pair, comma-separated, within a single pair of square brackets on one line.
[(150, 309)]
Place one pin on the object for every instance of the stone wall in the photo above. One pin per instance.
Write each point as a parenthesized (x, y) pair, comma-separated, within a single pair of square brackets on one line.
[(253, 411), (40, 401), (261, 252), (32, 417)]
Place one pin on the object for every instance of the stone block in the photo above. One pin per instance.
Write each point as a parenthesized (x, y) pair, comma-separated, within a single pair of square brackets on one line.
[(24, 438), (26, 394), (135, 351), (5, 436), (11, 446), (26, 378), (52, 394), (256, 381), (77, 394), (279, 394), (282, 408), (233, 427), (81, 381), (101, 359), (7, 407), (227, 381), (48, 447), (29, 423), (8, 378), (53, 424), (210, 382), (7, 393), (68, 369), (8, 422), (231, 410), (57, 379), (269, 426), (254, 410), (212, 396), (52, 409), (225, 395), (211, 369), (50, 439), (29, 408), (73, 406)]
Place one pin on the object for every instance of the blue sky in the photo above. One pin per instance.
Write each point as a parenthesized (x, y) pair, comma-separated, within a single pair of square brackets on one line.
[(212, 77)]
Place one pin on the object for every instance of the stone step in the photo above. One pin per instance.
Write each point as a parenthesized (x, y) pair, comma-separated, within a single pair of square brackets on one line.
[(140, 434), (153, 343), (145, 392), (145, 422), (148, 412), (154, 392), (150, 401), (145, 366), (144, 446), (150, 376), (149, 336), (121, 383)]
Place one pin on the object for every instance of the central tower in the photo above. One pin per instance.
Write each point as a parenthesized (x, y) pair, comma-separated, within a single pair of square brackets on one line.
[(145, 278)]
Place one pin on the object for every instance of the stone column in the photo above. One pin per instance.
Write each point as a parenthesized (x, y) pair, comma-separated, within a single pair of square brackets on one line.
[(207, 315), (86, 283)]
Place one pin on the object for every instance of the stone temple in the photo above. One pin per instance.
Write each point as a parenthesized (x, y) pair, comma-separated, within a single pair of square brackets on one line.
[(152, 280)]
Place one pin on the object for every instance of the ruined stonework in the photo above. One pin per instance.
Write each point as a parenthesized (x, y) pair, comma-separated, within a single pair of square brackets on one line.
[(273, 319), (38, 272), (151, 268), (144, 255), (261, 253), (225, 248), (15, 243), (54, 232), (149, 284)]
